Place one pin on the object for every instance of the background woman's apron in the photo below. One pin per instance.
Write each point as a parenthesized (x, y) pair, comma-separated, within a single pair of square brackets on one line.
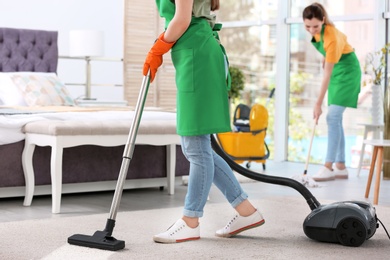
[(202, 89), (344, 85)]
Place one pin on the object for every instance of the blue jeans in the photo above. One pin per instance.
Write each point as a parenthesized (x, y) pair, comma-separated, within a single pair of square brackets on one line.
[(336, 139), (207, 167)]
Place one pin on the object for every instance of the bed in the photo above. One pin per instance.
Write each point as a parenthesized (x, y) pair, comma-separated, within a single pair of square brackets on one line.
[(28, 60)]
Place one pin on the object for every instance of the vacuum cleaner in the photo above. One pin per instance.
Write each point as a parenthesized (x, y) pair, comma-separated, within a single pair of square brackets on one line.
[(349, 223)]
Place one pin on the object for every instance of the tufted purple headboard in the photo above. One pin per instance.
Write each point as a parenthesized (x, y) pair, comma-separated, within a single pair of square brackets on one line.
[(28, 50)]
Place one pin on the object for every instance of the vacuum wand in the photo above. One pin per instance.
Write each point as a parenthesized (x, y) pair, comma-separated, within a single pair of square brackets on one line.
[(103, 239), (129, 148)]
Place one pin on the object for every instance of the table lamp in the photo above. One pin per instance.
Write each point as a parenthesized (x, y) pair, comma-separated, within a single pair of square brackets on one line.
[(86, 44)]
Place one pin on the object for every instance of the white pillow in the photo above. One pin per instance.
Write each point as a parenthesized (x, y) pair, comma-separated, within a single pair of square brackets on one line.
[(10, 95), (41, 89)]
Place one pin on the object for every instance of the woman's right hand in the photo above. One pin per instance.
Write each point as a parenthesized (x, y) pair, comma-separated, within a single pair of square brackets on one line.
[(317, 111), (154, 59)]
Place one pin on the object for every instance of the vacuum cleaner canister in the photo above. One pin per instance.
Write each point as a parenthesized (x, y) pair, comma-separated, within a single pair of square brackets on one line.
[(349, 223)]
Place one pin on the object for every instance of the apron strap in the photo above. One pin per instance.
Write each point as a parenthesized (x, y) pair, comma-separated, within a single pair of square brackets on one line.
[(217, 27)]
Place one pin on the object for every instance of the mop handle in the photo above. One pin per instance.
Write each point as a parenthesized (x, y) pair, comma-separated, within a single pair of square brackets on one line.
[(130, 145), (309, 152)]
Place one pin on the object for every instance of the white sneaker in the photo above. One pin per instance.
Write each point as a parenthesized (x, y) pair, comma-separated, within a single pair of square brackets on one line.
[(340, 174), (240, 223), (178, 232), (324, 174)]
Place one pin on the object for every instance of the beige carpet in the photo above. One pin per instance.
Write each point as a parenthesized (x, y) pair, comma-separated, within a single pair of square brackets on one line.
[(281, 237)]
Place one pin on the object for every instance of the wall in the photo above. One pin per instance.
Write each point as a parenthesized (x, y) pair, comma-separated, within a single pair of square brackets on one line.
[(140, 33), (64, 16)]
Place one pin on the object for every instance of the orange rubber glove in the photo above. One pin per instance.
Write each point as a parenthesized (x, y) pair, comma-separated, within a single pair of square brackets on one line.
[(154, 58)]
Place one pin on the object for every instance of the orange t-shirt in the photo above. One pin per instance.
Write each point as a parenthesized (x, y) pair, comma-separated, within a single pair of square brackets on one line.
[(335, 44)]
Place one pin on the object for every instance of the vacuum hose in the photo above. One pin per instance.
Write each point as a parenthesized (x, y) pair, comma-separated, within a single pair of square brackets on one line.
[(310, 199)]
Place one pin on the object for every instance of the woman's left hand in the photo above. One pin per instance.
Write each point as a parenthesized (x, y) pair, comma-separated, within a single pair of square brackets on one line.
[(317, 112)]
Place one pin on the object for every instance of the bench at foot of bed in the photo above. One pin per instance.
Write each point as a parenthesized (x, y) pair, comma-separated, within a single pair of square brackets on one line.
[(63, 134)]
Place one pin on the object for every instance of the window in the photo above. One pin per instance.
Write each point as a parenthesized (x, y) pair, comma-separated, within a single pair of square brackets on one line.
[(254, 38), (251, 43)]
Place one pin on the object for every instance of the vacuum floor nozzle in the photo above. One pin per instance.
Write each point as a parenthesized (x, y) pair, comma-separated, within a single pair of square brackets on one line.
[(100, 240)]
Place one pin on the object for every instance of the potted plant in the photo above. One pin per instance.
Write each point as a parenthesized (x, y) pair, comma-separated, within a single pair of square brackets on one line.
[(238, 82), (237, 86), (374, 66)]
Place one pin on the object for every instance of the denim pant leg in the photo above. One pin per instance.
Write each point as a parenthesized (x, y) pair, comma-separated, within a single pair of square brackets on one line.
[(226, 182), (336, 139), (198, 151)]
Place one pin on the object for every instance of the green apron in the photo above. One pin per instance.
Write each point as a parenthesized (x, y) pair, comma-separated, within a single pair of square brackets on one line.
[(344, 85), (202, 88)]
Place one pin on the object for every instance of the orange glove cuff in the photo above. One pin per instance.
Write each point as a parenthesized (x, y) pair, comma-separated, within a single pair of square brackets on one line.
[(160, 46)]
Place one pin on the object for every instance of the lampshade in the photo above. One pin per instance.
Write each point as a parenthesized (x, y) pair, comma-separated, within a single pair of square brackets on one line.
[(86, 43)]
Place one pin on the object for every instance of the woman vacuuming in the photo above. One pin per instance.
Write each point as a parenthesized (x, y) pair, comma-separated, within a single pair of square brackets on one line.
[(202, 109), (341, 79)]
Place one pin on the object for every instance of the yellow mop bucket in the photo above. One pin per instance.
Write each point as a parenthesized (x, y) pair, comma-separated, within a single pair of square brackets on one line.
[(248, 146)]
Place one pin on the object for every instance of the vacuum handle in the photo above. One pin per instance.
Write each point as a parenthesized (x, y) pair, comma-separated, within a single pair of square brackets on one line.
[(130, 145)]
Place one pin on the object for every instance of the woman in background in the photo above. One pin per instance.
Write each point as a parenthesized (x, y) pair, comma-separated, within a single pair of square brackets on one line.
[(341, 79), (202, 109)]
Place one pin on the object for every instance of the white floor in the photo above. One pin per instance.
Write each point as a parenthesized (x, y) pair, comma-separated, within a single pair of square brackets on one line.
[(12, 209)]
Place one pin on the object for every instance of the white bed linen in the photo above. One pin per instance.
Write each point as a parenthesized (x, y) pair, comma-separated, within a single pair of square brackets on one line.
[(11, 126)]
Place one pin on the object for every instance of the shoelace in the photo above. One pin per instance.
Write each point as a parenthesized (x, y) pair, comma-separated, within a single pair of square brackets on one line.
[(231, 221), (176, 230)]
